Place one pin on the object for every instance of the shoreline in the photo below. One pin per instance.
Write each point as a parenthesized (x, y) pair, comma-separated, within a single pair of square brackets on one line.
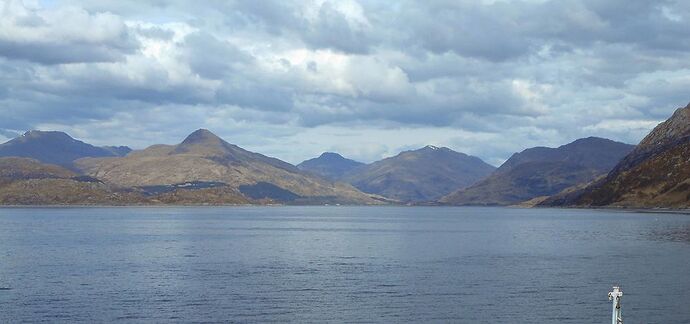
[(654, 210)]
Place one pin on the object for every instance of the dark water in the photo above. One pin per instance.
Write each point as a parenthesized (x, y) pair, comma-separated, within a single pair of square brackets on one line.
[(341, 264)]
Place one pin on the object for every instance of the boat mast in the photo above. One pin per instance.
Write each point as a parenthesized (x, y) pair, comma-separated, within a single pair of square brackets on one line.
[(615, 297)]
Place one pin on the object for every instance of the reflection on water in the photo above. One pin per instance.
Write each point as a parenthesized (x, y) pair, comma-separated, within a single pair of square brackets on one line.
[(341, 264)]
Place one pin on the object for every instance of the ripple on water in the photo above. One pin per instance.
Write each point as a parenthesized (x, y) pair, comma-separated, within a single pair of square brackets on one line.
[(681, 234)]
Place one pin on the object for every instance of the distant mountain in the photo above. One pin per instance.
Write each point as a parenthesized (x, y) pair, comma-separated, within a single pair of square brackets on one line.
[(204, 157), (655, 174), (543, 171), (117, 150), (55, 148), (425, 174), (329, 165)]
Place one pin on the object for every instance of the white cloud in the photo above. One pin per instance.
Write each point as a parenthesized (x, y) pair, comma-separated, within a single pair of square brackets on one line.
[(62, 34)]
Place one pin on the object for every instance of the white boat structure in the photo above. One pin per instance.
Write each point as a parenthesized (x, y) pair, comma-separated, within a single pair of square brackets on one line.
[(615, 298)]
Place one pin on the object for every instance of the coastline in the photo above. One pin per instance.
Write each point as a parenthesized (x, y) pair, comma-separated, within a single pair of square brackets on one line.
[(652, 210)]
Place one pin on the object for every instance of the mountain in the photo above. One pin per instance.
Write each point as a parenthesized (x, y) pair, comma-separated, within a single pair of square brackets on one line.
[(204, 157), (655, 174), (117, 150), (425, 174), (329, 165), (543, 171), (16, 169), (26, 181), (55, 148)]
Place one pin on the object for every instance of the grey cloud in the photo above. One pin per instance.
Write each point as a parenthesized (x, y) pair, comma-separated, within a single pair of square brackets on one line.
[(140, 80), (450, 104), (52, 53), (509, 30), (272, 15), (258, 96), (332, 30), (329, 28), (156, 33), (212, 58), (466, 28)]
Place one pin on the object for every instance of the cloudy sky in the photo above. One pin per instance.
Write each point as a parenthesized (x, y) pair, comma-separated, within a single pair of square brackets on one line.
[(365, 78)]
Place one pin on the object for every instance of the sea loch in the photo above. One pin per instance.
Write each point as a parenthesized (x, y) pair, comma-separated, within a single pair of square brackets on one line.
[(341, 264)]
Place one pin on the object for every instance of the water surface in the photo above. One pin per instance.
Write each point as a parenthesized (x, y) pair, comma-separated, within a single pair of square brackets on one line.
[(341, 264)]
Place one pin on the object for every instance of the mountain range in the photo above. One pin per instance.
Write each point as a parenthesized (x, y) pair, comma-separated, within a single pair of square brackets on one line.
[(205, 157), (53, 168), (204, 165), (655, 174), (48, 167), (543, 171)]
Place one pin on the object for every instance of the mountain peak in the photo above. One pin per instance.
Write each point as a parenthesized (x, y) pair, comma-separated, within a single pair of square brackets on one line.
[(36, 134), (596, 152), (330, 155), (430, 150), (203, 142), (589, 141), (434, 148), (202, 136), (330, 165)]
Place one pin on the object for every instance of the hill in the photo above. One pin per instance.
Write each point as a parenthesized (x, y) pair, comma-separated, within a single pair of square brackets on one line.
[(26, 181), (421, 175), (329, 165), (543, 171)]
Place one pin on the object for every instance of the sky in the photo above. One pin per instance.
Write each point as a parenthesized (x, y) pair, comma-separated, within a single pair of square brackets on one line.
[(364, 78)]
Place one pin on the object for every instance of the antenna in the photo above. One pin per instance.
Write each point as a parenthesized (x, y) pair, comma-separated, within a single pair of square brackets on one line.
[(615, 297)]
